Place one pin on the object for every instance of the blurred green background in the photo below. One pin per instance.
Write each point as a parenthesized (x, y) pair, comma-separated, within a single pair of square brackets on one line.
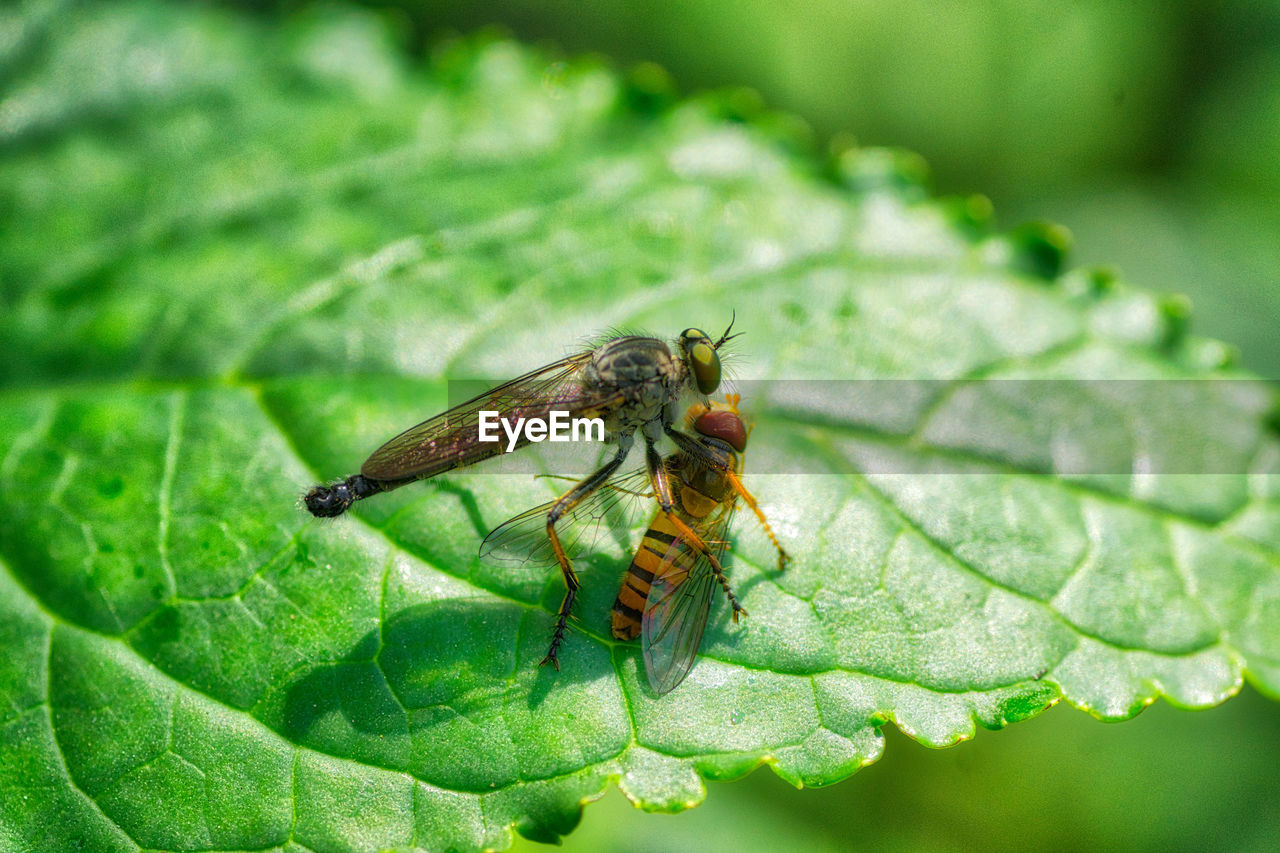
[(1151, 130)]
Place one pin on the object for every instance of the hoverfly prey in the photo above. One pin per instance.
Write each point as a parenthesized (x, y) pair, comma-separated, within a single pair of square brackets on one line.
[(667, 592), (666, 595)]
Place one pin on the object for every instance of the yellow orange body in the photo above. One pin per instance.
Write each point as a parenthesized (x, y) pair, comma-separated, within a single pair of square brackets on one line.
[(704, 498)]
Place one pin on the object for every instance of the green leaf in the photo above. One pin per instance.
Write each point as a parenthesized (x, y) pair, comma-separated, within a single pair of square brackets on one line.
[(236, 258)]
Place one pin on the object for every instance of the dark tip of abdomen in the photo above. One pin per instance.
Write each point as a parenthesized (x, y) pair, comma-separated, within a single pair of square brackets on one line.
[(326, 501), (333, 501)]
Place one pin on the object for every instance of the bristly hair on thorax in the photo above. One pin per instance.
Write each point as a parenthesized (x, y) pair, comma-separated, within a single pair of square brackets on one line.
[(729, 360), (590, 342)]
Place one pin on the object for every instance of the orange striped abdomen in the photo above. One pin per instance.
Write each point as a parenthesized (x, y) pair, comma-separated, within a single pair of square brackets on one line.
[(628, 609)]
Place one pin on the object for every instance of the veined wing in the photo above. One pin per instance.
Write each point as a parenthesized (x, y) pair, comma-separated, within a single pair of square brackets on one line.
[(523, 539), (451, 439), (675, 612)]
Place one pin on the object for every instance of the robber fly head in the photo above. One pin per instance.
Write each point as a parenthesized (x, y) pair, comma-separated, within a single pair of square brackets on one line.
[(699, 353)]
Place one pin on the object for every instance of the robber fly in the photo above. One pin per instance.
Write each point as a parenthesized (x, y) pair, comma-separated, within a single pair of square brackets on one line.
[(666, 595), (630, 382)]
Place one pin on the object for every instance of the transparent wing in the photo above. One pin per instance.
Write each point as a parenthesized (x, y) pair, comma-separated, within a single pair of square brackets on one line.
[(451, 439), (523, 539), (675, 613)]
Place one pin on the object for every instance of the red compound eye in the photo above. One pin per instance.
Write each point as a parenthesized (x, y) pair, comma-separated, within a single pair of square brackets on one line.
[(724, 425)]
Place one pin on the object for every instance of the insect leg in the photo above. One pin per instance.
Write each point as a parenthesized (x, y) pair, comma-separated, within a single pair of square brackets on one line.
[(666, 502), (732, 478), (619, 489), (563, 505), (690, 445)]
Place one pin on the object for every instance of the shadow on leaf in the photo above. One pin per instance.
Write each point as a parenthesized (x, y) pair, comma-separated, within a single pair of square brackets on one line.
[(448, 691)]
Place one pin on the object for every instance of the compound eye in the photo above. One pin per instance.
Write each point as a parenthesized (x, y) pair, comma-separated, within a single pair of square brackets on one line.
[(724, 425), (705, 364), (690, 335)]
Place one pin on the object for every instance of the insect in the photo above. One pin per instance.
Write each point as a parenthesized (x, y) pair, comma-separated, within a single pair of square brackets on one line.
[(632, 382), (666, 595)]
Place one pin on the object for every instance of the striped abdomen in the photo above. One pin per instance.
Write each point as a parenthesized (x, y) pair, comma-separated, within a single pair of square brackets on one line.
[(628, 609)]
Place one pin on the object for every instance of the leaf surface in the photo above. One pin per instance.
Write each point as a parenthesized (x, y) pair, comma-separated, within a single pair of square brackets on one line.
[(236, 259)]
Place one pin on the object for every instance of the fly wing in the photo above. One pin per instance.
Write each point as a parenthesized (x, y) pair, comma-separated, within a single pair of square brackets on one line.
[(523, 539), (452, 439), (675, 613)]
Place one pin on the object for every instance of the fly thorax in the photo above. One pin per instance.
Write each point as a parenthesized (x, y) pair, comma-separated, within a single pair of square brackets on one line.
[(643, 370), (707, 480), (630, 360), (695, 503)]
